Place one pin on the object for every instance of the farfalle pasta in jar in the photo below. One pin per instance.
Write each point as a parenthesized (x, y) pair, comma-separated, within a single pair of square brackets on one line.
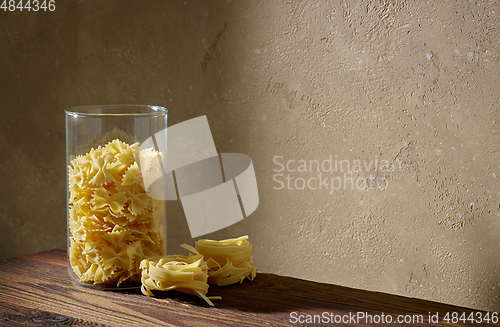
[(113, 221)]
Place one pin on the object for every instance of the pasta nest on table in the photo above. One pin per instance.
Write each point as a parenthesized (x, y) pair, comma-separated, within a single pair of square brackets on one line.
[(229, 261), (187, 274), (216, 262)]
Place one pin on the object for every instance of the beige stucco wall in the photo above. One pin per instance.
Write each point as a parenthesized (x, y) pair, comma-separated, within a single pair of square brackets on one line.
[(408, 86)]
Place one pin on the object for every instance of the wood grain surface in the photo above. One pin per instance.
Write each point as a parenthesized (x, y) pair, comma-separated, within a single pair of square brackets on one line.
[(36, 290)]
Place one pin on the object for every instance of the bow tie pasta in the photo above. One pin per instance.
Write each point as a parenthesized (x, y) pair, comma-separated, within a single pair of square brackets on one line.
[(113, 223)]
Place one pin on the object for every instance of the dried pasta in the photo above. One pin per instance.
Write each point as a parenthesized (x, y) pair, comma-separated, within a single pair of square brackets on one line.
[(113, 223), (187, 274), (229, 261)]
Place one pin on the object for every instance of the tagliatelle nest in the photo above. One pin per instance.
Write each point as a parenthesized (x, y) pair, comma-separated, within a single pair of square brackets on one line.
[(216, 262), (229, 261), (187, 274)]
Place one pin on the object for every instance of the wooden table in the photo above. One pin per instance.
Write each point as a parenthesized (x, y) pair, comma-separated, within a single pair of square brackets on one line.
[(36, 290)]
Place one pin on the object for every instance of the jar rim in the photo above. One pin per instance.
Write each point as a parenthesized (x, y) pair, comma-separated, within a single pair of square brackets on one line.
[(117, 110)]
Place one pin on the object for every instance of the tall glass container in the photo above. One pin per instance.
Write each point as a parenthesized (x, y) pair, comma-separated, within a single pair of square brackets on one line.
[(113, 223)]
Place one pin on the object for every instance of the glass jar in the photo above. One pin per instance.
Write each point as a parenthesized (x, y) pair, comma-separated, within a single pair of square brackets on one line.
[(113, 221)]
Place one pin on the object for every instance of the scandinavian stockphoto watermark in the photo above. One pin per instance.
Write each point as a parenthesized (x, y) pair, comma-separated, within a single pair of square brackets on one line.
[(332, 174)]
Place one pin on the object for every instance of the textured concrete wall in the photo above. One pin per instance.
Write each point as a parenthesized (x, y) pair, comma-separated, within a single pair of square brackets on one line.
[(404, 93)]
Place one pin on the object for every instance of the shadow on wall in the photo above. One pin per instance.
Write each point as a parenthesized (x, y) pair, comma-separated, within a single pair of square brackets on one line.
[(155, 53), (218, 83)]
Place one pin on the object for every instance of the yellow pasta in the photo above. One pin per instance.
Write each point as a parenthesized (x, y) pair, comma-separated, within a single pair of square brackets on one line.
[(229, 261), (187, 274), (113, 224)]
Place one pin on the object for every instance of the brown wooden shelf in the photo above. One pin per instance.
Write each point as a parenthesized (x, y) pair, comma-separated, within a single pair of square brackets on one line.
[(36, 289)]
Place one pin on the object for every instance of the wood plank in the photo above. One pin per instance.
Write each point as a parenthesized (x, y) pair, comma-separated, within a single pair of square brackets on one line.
[(36, 288)]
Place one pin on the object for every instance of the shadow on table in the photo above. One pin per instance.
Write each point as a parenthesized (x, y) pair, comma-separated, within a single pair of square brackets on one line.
[(268, 293), (272, 293)]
